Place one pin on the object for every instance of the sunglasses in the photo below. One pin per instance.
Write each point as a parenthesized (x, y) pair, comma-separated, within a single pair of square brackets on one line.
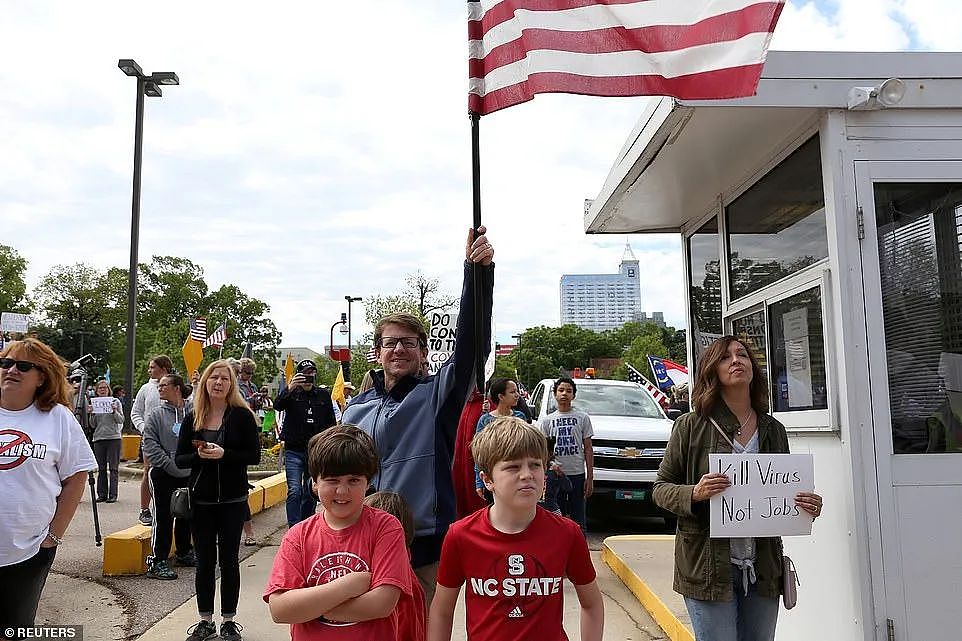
[(23, 366)]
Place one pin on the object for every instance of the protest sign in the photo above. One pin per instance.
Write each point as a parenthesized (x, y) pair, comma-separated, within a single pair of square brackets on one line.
[(12, 322), (444, 326), (103, 404), (761, 498)]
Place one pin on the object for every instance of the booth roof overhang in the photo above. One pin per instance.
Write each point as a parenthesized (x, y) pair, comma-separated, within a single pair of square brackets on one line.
[(682, 155)]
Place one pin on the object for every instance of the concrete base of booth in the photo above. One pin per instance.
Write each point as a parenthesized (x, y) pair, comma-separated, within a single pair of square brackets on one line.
[(126, 551)]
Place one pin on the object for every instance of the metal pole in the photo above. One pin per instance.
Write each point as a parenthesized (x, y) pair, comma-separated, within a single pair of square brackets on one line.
[(346, 365), (134, 241), (475, 268)]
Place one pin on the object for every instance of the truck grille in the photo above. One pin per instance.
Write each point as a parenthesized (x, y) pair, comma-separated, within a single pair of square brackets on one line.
[(628, 455)]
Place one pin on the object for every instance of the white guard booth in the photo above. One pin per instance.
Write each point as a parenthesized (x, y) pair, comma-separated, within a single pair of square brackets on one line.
[(822, 222)]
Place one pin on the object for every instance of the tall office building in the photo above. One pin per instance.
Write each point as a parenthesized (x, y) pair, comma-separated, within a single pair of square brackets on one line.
[(603, 301)]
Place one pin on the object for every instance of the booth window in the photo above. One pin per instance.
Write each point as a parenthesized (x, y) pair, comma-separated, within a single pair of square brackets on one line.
[(777, 226), (797, 351), (704, 281), (750, 330), (919, 228)]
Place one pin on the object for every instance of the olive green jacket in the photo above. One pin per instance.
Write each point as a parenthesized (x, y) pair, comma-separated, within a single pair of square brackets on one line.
[(703, 564)]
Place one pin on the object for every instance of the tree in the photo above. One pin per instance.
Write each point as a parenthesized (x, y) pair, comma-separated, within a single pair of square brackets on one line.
[(649, 343), (74, 315), (247, 321), (13, 287), (544, 349), (421, 296)]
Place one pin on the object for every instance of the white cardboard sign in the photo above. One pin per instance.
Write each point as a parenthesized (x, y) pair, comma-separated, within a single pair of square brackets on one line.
[(444, 327), (102, 404), (761, 498), (13, 322)]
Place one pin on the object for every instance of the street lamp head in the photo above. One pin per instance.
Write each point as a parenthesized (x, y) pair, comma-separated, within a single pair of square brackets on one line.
[(352, 299), (151, 89), (130, 67), (165, 78)]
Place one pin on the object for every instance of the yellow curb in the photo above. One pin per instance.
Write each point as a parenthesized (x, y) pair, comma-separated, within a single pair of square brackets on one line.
[(126, 552), (255, 499), (275, 489), (130, 445), (668, 622)]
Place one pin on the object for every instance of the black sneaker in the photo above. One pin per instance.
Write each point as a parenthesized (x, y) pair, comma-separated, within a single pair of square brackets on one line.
[(230, 631), (146, 517), (187, 560), (201, 631), (160, 570)]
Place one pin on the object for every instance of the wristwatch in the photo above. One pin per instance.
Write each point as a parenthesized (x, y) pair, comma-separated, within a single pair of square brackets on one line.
[(53, 537)]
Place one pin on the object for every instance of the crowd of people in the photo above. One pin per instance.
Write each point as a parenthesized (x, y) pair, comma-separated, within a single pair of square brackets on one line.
[(391, 547)]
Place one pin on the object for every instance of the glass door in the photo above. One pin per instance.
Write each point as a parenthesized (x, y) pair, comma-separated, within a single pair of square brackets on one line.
[(912, 271)]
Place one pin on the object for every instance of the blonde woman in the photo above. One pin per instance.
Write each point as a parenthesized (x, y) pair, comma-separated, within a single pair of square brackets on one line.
[(217, 441)]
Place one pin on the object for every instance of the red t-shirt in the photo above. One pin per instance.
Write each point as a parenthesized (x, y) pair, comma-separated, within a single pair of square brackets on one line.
[(514, 588), (314, 554), (411, 613)]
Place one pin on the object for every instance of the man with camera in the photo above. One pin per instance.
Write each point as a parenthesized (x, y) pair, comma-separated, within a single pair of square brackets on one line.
[(308, 410)]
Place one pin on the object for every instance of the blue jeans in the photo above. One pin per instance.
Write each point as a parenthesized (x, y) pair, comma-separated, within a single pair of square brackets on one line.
[(572, 502), (745, 618), (300, 501)]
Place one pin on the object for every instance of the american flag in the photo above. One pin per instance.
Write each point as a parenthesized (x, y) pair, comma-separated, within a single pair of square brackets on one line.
[(217, 338), (636, 377), (371, 355), (691, 49), (198, 329)]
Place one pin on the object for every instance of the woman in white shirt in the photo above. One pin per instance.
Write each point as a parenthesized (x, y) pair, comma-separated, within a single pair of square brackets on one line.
[(44, 460)]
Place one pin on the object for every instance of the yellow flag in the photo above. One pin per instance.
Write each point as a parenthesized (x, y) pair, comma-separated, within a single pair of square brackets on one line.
[(193, 354), (337, 392), (289, 368)]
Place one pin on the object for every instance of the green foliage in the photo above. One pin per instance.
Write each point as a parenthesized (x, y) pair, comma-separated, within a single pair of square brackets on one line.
[(421, 296), (13, 287), (248, 320)]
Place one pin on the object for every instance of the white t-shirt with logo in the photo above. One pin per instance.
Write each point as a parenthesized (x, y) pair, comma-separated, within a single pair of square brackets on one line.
[(38, 451), (570, 430)]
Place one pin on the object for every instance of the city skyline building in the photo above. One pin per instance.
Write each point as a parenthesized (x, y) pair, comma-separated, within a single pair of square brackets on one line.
[(605, 301)]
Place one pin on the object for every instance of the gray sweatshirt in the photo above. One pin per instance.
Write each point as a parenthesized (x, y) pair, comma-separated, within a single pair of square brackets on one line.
[(160, 439), (106, 427)]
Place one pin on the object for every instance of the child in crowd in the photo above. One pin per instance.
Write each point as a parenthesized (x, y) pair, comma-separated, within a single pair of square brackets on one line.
[(339, 574), (514, 555), (571, 429), (410, 610)]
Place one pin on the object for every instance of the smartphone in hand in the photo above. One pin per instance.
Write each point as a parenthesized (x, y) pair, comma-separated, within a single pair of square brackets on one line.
[(198, 443)]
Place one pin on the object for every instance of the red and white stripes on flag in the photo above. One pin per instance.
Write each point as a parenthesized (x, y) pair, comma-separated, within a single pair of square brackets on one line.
[(371, 355), (688, 49), (636, 377), (217, 338)]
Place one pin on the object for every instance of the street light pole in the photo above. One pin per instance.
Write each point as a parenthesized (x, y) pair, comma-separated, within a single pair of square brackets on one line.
[(150, 86), (517, 361), (350, 350)]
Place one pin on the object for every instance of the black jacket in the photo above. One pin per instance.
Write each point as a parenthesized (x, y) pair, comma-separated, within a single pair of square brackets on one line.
[(223, 480), (306, 413)]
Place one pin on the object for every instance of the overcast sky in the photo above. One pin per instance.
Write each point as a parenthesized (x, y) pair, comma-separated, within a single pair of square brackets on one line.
[(319, 149)]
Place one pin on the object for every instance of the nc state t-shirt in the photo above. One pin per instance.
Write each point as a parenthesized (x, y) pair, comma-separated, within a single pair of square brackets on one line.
[(514, 581), (38, 451), (311, 553)]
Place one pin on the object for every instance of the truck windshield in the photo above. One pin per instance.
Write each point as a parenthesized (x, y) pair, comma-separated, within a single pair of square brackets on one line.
[(612, 400)]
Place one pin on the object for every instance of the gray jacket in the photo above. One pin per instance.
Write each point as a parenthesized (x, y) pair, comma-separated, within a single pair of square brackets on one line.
[(107, 427), (160, 440)]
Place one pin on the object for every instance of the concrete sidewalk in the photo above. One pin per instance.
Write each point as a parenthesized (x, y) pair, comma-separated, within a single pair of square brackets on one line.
[(646, 565)]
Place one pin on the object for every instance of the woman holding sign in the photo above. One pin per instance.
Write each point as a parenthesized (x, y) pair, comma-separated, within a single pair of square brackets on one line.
[(731, 585), (106, 419)]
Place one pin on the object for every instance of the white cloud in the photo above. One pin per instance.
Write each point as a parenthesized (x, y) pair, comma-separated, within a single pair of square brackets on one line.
[(322, 149)]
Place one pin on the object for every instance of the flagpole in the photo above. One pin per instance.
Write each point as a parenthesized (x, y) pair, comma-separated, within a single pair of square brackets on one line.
[(475, 267)]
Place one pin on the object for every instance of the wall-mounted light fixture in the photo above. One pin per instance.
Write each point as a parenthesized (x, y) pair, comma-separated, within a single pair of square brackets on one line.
[(887, 94)]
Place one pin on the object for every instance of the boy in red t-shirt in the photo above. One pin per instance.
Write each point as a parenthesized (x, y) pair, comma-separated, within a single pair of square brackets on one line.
[(410, 610), (339, 574), (513, 555)]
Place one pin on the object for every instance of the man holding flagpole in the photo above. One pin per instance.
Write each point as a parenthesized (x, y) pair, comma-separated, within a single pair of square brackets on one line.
[(414, 420)]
